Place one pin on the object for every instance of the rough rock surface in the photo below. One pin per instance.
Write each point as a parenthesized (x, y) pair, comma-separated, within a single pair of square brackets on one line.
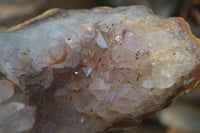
[(87, 71)]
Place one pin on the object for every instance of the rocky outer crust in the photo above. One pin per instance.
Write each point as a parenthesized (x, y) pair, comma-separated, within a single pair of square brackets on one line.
[(89, 70)]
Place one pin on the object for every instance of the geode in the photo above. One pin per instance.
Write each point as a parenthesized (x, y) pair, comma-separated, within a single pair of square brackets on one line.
[(91, 70)]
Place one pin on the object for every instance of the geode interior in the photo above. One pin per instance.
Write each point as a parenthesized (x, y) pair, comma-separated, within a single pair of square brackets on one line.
[(89, 70)]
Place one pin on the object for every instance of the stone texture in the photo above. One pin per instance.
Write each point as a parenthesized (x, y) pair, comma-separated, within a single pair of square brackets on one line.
[(87, 71), (16, 118), (15, 114), (6, 90)]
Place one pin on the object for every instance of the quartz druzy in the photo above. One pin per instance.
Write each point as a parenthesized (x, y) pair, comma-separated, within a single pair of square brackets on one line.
[(89, 70)]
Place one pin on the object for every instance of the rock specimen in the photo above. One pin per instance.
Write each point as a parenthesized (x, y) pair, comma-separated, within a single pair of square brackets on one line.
[(15, 116), (87, 71)]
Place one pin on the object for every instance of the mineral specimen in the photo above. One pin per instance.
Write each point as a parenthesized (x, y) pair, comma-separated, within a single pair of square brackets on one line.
[(6, 90), (15, 117), (90, 70)]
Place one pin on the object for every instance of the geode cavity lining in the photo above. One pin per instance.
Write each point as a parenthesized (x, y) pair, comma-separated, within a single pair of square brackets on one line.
[(88, 70)]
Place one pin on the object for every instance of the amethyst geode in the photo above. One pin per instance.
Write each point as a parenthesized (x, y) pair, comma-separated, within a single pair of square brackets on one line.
[(89, 70)]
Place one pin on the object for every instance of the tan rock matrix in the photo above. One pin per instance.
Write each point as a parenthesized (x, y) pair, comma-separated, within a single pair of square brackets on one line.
[(90, 70)]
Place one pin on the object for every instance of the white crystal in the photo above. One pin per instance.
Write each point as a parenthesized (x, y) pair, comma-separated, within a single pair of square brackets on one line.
[(87, 70), (101, 41)]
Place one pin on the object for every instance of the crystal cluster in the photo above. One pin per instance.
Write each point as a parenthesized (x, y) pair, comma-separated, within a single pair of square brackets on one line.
[(89, 70), (15, 116)]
